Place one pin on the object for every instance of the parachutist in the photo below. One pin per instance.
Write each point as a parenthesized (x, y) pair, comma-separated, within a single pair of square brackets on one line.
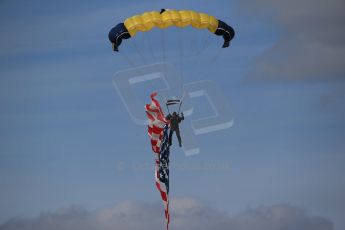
[(175, 119)]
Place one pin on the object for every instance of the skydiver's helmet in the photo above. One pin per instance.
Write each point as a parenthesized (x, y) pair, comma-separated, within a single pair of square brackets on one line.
[(174, 114)]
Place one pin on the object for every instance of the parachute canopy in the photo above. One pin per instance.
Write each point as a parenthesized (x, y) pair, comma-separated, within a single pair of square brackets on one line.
[(167, 18)]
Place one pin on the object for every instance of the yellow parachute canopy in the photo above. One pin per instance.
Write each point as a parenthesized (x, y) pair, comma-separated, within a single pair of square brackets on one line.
[(178, 18), (167, 18)]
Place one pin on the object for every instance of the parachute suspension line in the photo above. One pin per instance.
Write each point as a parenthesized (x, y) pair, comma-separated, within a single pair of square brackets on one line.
[(167, 107), (181, 100), (163, 45), (151, 85), (199, 49), (133, 65), (216, 56), (139, 52), (163, 50), (182, 59), (179, 108), (179, 45), (205, 44), (195, 42), (128, 60), (180, 51), (148, 41)]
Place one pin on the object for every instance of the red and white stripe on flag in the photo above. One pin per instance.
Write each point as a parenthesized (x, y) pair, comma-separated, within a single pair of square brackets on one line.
[(156, 125)]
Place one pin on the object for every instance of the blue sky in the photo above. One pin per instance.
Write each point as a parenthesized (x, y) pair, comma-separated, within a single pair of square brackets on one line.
[(67, 139)]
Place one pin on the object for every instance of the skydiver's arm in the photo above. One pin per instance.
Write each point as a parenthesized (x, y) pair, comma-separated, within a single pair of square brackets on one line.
[(181, 118), (168, 117)]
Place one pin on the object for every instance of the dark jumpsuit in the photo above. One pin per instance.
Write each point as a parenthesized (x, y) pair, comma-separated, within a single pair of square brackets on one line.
[(174, 127)]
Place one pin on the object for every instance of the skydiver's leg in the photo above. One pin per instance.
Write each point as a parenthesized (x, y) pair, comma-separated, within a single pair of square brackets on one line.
[(177, 131), (170, 136)]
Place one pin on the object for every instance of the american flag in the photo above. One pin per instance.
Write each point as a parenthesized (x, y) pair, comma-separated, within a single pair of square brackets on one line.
[(158, 128)]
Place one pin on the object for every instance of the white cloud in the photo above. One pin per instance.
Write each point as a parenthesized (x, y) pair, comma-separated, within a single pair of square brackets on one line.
[(186, 214)]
